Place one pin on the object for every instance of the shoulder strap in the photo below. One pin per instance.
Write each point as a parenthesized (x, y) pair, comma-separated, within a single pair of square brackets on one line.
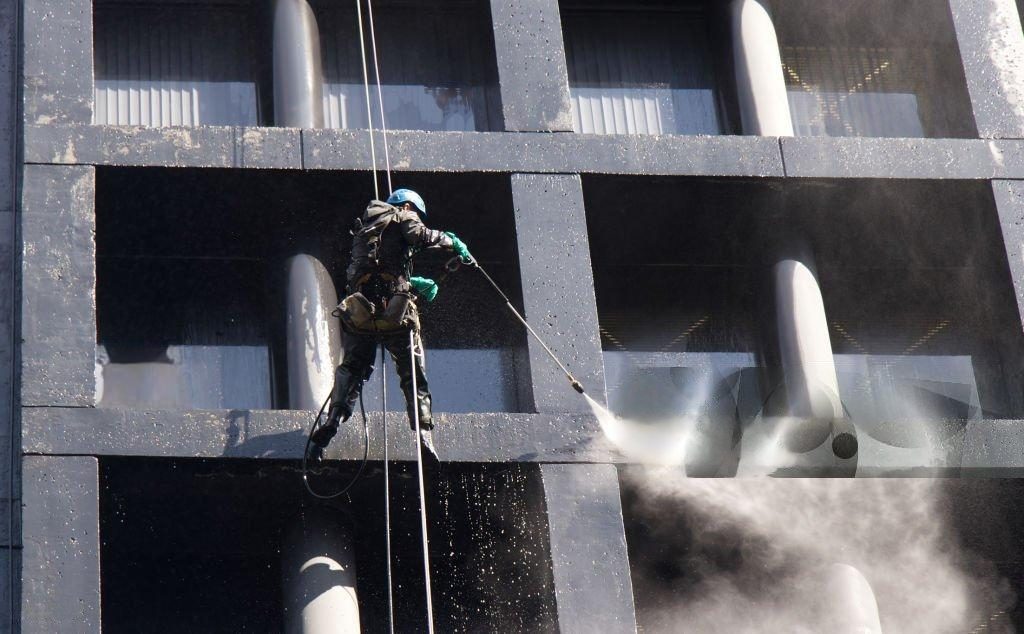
[(372, 233)]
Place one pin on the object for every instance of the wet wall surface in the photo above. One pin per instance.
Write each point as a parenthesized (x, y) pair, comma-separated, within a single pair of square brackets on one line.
[(191, 533)]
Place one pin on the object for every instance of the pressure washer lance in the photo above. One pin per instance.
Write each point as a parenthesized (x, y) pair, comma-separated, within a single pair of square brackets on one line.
[(576, 385)]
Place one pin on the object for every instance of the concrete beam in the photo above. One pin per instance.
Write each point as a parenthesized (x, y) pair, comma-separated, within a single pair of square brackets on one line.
[(593, 587), (531, 65), (61, 557), (991, 43), (414, 151), (58, 61), (543, 438), (866, 157), (204, 146), (558, 289), (58, 325), (282, 435)]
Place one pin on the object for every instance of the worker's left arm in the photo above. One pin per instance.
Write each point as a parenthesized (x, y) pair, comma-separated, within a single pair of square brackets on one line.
[(417, 234)]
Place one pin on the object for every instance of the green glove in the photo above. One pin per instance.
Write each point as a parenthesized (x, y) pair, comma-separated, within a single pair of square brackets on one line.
[(424, 287), (460, 248)]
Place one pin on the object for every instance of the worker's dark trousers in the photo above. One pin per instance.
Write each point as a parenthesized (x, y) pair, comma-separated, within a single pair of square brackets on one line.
[(357, 366)]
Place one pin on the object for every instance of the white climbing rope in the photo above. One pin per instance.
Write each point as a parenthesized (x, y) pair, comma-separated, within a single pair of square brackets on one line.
[(413, 347), (415, 351), (369, 110)]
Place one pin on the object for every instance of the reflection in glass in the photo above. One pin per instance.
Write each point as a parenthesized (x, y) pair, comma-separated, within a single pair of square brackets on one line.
[(186, 377), (640, 73), (444, 78), (852, 92), (178, 66)]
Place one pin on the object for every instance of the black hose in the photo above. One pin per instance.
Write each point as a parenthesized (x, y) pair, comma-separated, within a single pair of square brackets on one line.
[(309, 440)]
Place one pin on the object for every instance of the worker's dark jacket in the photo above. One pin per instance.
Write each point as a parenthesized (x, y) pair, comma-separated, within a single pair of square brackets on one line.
[(403, 235)]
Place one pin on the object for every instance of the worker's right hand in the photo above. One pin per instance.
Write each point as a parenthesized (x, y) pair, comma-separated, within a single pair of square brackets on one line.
[(460, 248)]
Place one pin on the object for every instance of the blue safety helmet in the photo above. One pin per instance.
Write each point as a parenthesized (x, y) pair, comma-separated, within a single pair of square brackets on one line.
[(400, 196)]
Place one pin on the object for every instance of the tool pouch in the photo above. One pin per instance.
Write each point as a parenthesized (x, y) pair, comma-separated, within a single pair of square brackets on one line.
[(356, 312), (359, 314), (399, 314)]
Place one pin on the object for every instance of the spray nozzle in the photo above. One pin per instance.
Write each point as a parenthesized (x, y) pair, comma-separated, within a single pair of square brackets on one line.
[(576, 385)]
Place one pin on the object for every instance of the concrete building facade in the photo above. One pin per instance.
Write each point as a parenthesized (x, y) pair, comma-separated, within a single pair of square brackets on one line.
[(755, 210)]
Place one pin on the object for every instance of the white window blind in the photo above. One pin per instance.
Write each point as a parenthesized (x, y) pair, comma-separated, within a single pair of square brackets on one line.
[(173, 66), (640, 73)]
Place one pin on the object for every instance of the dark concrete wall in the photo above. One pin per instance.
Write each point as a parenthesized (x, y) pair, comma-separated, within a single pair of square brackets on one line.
[(10, 170)]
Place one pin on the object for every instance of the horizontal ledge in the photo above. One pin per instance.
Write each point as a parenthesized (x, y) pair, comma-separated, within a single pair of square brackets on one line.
[(491, 437), (529, 152), (409, 150), (985, 448), (867, 157)]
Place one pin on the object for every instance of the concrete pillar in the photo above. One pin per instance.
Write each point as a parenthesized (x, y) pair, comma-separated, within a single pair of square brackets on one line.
[(812, 389), (58, 327), (298, 79), (988, 33), (593, 587), (558, 289), (58, 61), (531, 65), (319, 575), (1009, 199), (61, 557), (760, 84), (313, 336)]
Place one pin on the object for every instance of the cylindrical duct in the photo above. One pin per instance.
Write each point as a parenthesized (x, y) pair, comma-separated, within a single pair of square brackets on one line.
[(849, 606), (319, 575), (298, 79), (760, 84), (812, 388), (313, 336)]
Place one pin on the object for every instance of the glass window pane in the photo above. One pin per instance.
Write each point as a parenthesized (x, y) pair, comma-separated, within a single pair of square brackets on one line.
[(640, 72), (169, 66), (850, 74), (443, 78)]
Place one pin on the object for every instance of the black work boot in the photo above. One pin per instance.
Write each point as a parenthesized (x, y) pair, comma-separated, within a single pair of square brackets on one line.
[(430, 457), (426, 418), (338, 413)]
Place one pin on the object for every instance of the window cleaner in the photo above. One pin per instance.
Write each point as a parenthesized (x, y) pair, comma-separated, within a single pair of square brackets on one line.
[(381, 308)]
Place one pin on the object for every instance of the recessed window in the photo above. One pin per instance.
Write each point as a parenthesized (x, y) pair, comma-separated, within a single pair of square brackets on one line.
[(191, 300), (920, 311), (174, 65), (850, 73), (437, 66), (641, 70)]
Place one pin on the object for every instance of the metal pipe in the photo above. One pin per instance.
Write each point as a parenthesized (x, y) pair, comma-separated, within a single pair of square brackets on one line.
[(576, 385)]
